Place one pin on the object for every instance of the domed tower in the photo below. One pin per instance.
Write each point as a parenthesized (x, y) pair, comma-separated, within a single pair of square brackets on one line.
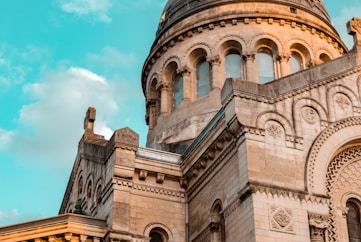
[(199, 44)]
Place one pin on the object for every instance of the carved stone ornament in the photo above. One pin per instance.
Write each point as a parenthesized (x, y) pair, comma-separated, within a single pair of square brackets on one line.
[(354, 28), (281, 219), (317, 234), (143, 174), (318, 220), (342, 101), (309, 115), (274, 130)]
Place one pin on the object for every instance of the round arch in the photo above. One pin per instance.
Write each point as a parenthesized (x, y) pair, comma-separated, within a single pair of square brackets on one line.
[(326, 145), (152, 226)]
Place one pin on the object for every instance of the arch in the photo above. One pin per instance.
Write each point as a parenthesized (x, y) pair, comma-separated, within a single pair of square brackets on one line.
[(339, 89), (230, 51), (267, 40), (89, 188), (342, 183), (263, 118), (155, 225), (328, 142), (194, 50), (307, 102), (266, 57), (230, 42), (323, 55), (98, 191), (79, 185), (217, 225), (153, 79), (303, 49)]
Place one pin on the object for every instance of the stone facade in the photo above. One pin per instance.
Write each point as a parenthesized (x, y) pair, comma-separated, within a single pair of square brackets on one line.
[(249, 161)]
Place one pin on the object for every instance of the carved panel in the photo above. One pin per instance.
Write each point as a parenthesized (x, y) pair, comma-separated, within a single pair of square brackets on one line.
[(281, 219), (274, 130), (342, 101), (309, 115)]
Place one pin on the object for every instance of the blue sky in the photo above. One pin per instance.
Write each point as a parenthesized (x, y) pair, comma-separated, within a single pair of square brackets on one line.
[(57, 57)]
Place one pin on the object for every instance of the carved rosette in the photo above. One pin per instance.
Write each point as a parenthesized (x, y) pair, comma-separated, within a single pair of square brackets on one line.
[(342, 101), (274, 130), (309, 115), (281, 219)]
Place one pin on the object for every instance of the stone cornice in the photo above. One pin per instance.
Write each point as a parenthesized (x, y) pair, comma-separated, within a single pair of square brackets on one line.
[(268, 93), (63, 225), (231, 20), (157, 191), (294, 194)]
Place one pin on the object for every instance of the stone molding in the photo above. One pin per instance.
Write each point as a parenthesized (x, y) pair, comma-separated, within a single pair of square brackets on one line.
[(273, 99), (275, 191), (128, 184)]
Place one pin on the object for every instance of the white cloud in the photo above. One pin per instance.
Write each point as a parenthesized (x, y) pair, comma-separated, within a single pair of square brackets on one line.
[(98, 9), (13, 216), (50, 127), (340, 22)]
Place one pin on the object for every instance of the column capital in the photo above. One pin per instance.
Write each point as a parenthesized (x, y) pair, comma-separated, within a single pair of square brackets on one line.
[(214, 60), (283, 57), (162, 85), (184, 71), (249, 56)]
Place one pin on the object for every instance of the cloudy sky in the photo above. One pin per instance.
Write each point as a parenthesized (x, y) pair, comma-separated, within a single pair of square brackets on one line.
[(57, 57)]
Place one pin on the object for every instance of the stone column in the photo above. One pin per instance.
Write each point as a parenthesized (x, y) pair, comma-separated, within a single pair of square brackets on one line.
[(153, 113), (187, 85), (217, 80), (284, 64), (251, 67), (215, 228), (164, 102)]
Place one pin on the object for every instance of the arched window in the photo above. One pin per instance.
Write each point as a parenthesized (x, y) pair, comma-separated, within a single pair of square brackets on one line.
[(217, 225), (89, 190), (265, 65), (80, 186), (233, 65), (353, 222), (178, 90), (158, 235), (203, 78), (324, 58), (296, 62)]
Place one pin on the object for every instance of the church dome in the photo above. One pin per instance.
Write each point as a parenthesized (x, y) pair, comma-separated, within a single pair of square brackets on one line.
[(201, 43), (176, 10)]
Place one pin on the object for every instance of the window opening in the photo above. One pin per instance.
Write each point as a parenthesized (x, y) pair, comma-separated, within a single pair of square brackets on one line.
[(265, 66), (296, 62), (203, 79), (233, 65), (178, 90), (353, 222)]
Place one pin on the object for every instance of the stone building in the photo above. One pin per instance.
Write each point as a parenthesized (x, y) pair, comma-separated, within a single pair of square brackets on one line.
[(254, 121)]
